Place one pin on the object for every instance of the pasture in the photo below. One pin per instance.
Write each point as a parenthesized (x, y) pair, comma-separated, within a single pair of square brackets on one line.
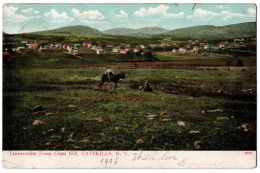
[(197, 108)]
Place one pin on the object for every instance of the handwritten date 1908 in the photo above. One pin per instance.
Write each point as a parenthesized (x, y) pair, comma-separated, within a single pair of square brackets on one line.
[(106, 162)]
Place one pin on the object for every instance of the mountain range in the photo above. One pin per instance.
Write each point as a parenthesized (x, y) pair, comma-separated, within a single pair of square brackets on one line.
[(128, 31), (76, 29), (215, 32), (239, 30)]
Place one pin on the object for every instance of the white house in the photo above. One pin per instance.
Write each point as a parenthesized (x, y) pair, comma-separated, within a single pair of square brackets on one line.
[(77, 45), (142, 46), (93, 47), (136, 50), (100, 51), (123, 51), (196, 49), (181, 49), (86, 44), (221, 45), (206, 47), (115, 49), (174, 50)]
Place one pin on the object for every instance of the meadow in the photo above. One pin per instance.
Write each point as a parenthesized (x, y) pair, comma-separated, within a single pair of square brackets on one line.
[(197, 108)]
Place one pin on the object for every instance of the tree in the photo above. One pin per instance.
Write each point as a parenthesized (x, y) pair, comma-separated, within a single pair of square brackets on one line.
[(139, 54), (240, 63), (148, 55), (130, 55), (228, 64)]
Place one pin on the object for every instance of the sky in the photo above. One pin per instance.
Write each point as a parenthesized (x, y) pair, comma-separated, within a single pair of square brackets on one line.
[(28, 17)]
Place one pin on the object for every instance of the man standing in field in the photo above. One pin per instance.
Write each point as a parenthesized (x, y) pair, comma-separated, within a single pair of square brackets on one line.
[(147, 87), (109, 73)]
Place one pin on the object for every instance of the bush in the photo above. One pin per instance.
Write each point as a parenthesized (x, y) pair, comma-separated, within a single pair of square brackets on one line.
[(240, 63), (148, 55)]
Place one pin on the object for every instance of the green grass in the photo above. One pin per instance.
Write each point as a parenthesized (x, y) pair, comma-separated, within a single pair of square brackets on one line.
[(169, 56), (62, 84), (126, 109)]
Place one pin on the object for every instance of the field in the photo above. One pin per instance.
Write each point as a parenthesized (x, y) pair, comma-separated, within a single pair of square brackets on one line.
[(197, 103)]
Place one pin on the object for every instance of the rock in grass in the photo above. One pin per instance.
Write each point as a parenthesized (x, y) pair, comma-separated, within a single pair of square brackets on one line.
[(140, 141), (48, 144), (222, 118), (152, 117), (197, 145), (71, 140), (55, 137), (63, 129), (37, 108), (49, 113), (117, 128), (245, 126), (163, 112), (212, 111), (72, 135), (84, 141), (167, 119), (76, 147), (72, 106), (50, 130), (100, 120), (37, 123), (194, 132), (216, 110), (181, 123), (56, 146)]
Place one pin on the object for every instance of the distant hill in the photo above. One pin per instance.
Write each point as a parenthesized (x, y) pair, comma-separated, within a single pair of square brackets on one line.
[(215, 32), (141, 35), (205, 32), (77, 29), (140, 31), (119, 31), (151, 30)]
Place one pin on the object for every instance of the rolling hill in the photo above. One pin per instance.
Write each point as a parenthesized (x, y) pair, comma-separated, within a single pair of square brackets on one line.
[(119, 31), (140, 31), (151, 30), (206, 32), (215, 32), (77, 29)]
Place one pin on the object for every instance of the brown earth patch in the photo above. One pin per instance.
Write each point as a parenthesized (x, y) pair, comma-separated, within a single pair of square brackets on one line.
[(138, 65), (194, 64)]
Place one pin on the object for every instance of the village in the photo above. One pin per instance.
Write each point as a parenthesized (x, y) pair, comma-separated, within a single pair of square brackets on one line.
[(78, 49)]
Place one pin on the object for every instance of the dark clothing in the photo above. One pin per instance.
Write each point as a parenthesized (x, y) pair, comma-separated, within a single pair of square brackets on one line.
[(147, 88)]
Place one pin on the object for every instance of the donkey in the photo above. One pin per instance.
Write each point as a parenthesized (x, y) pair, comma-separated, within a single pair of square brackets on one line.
[(115, 79)]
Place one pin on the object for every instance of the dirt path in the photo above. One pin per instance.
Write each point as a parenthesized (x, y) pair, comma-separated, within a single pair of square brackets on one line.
[(141, 65), (162, 65)]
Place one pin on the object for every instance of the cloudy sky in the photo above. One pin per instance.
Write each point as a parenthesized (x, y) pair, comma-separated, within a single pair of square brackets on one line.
[(20, 18)]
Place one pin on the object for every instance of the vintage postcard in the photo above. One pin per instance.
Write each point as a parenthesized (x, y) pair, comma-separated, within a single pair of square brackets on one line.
[(129, 85)]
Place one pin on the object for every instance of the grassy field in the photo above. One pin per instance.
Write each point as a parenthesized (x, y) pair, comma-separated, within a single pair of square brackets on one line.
[(209, 106)]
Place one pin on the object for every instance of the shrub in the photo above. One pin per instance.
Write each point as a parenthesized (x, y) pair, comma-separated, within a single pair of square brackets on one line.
[(240, 63)]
